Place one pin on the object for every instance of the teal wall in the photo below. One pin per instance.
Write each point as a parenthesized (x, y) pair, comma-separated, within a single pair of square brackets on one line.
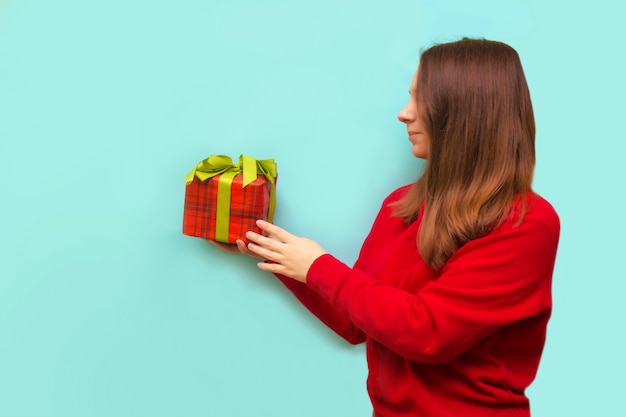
[(106, 309)]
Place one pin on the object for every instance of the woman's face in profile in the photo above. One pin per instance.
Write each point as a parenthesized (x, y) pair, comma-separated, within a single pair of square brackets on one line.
[(411, 117)]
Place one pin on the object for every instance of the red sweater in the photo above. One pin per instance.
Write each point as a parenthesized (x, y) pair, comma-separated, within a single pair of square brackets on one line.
[(464, 341)]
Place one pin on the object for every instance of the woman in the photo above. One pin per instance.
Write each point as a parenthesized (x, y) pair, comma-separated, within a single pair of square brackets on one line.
[(452, 288)]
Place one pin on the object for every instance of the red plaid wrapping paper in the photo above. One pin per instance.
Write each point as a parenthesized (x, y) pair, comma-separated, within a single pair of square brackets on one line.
[(246, 206)]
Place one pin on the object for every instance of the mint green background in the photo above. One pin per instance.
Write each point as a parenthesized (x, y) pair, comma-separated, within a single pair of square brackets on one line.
[(106, 309)]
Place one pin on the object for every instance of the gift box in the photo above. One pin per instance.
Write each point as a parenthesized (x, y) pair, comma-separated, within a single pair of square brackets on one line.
[(224, 200)]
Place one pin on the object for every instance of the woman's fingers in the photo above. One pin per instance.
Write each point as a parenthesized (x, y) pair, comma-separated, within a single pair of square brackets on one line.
[(268, 243), (225, 247), (265, 247), (262, 252), (275, 231), (271, 267), (241, 245)]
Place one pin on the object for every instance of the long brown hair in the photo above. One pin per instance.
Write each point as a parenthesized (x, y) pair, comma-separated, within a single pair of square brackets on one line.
[(476, 108)]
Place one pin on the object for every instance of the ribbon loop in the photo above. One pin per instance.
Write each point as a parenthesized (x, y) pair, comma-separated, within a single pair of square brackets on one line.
[(249, 169)]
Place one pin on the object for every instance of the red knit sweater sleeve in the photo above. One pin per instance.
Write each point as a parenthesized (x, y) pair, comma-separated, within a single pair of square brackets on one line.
[(488, 283), (335, 317)]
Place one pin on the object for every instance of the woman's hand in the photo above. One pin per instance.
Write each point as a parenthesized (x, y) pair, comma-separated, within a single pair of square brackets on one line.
[(289, 255)]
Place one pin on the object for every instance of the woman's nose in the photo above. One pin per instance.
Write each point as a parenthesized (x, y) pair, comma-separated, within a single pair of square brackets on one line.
[(405, 114)]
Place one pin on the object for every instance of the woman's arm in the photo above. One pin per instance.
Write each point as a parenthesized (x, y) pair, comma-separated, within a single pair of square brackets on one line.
[(488, 283), (333, 316)]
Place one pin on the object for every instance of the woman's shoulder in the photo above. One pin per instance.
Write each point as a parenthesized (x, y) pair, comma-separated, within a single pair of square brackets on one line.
[(397, 194), (541, 208), (388, 206), (538, 211)]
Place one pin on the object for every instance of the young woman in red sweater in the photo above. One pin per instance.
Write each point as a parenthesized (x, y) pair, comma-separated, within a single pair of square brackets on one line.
[(452, 288)]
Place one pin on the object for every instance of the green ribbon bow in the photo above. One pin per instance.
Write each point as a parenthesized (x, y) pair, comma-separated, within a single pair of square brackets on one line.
[(220, 164)]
